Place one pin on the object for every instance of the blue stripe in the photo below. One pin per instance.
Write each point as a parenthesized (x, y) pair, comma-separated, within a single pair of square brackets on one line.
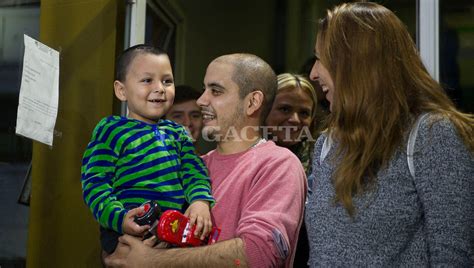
[(152, 178), (199, 190), (95, 211), (120, 218), (85, 160), (93, 144), (111, 217), (100, 163), (170, 126), (113, 142), (195, 162), (112, 128), (186, 176), (187, 143), (138, 133), (99, 129), (201, 197), (153, 163), (150, 194), (179, 203), (132, 205), (96, 182), (107, 152)]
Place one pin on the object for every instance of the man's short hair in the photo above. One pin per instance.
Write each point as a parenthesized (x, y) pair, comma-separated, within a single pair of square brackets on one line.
[(253, 73)]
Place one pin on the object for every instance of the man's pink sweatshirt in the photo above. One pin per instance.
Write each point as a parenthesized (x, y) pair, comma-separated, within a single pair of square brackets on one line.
[(260, 195)]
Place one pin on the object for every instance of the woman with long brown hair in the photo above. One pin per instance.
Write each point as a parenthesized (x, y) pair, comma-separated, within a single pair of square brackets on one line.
[(394, 169)]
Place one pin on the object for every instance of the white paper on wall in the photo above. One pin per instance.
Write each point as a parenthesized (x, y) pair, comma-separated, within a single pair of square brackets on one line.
[(39, 92)]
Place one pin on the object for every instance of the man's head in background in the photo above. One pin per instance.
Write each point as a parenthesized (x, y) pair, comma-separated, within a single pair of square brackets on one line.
[(185, 111)]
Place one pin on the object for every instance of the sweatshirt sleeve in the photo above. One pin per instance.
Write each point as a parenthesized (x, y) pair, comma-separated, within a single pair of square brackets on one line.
[(193, 172), (97, 174), (444, 169), (273, 213)]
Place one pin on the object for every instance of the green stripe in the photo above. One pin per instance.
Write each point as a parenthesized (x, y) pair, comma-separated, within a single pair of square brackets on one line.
[(169, 204), (141, 173)]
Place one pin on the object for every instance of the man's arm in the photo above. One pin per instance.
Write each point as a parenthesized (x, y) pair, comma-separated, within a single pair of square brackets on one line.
[(131, 252)]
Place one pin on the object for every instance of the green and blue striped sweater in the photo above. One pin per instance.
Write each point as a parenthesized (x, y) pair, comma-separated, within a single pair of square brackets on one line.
[(128, 162)]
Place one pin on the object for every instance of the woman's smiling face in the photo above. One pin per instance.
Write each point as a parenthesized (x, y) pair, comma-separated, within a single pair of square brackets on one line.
[(320, 74), (291, 111)]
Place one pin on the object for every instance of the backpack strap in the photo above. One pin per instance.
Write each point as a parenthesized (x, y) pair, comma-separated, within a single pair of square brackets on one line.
[(411, 143), (325, 149)]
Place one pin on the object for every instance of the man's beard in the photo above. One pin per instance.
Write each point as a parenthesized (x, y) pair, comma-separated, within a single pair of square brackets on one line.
[(219, 132)]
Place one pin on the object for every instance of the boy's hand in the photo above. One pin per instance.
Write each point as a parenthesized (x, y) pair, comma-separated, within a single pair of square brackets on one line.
[(129, 226), (199, 213)]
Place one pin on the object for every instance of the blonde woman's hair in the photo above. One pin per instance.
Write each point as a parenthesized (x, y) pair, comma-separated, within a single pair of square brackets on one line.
[(381, 86), (289, 81)]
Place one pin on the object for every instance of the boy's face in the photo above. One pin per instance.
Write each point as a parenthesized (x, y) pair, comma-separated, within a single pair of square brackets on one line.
[(148, 87)]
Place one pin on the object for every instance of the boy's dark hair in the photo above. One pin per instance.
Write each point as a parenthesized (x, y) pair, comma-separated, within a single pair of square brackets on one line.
[(185, 93), (127, 56)]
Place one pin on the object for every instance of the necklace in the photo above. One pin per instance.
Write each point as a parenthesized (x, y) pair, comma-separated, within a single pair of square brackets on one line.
[(258, 142)]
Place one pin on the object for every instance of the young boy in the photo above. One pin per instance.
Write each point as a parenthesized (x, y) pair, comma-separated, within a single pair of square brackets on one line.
[(133, 159)]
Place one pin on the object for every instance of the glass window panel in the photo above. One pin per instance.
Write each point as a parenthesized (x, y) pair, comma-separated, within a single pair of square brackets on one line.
[(160, 30), (456, 51)]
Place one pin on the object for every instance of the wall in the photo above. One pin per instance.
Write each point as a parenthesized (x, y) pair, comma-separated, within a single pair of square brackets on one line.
[(214, 28), (62, 232)]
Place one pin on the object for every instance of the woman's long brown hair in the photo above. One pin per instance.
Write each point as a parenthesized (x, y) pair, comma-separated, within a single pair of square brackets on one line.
[(381, 86)]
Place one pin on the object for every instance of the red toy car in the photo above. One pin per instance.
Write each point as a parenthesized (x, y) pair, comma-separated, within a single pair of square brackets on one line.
[(172, 226)]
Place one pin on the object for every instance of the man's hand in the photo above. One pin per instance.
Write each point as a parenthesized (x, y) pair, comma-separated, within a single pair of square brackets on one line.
[(129, 226), (130, 252), (199, 213)]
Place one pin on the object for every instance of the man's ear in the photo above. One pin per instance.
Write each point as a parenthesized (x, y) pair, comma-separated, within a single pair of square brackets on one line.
[(254, 102), (119, 89)]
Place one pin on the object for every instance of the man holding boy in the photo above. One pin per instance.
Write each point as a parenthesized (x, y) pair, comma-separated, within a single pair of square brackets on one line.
[(259, 187)]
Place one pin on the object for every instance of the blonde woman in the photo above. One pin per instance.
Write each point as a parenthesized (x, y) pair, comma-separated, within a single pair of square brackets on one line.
[(290, 122), (375, 203)]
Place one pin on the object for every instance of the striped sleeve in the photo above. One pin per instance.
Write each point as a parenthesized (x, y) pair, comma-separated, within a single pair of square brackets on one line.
[(193, 172), (97, 176)]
